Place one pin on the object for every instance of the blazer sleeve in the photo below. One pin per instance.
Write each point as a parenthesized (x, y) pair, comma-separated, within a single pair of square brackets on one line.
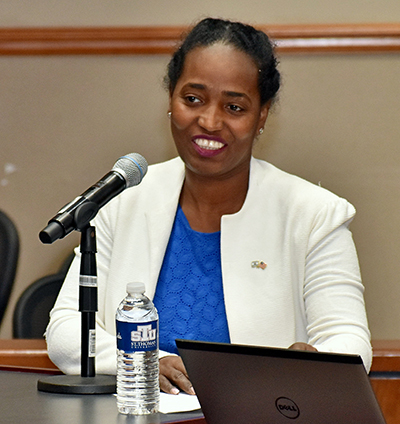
[(333, 292)]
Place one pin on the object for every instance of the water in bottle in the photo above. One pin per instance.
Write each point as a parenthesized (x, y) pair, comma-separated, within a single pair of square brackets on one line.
[(137, 353)]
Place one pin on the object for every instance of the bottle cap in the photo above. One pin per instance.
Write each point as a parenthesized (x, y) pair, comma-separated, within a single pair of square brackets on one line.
[(135, 288)]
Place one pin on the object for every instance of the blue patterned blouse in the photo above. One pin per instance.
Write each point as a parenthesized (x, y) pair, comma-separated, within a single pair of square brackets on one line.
[(189, 295)]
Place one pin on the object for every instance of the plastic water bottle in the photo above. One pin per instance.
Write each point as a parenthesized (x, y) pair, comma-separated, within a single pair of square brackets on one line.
[(138, 389)]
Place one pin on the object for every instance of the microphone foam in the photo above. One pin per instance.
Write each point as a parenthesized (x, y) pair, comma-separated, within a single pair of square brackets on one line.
[(132, 167)]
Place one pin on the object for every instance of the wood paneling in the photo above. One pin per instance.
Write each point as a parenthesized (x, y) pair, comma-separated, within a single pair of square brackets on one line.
[(305, 39), (387, 392)]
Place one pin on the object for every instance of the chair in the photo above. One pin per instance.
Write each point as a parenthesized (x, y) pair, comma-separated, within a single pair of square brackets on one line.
[(9, 253), (31, 313)]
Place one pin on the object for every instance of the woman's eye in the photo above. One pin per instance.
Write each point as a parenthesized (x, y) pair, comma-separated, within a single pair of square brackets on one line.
[(192, 99), (235, 108)]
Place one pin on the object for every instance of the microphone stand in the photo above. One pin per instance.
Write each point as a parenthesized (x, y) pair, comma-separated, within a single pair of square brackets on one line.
[(88, 301), (88, 382)]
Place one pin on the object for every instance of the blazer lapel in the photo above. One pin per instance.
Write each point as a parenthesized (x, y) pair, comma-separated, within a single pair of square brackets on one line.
[(159, 225)]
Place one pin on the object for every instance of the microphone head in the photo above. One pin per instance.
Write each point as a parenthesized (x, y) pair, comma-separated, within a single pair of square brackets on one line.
[(132, 167)]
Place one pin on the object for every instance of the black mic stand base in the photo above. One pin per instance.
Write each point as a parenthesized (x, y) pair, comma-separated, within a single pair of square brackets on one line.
[(77, 385)]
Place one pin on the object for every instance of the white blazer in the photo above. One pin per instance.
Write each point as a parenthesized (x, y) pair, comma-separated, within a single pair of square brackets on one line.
[(310, 291)]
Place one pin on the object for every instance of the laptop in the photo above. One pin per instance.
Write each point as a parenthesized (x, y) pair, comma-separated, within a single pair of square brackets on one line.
[(238, 384)]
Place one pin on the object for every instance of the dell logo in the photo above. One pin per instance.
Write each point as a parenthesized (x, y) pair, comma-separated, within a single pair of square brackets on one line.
[(287, 407)]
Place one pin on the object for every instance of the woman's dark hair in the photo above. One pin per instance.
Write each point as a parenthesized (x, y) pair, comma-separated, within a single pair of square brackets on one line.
[(244, 37)]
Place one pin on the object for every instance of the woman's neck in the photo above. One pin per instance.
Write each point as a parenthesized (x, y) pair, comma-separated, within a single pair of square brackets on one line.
[(204, 200)]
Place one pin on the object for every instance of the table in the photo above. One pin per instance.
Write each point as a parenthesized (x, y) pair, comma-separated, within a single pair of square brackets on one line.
[(24, 362), (20, 401), (31, 356)]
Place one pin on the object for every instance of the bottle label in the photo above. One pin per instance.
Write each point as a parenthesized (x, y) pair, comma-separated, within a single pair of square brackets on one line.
[(137, 336)]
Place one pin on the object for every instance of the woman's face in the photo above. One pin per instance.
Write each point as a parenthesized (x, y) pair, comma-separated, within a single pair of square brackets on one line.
[(216, 112)]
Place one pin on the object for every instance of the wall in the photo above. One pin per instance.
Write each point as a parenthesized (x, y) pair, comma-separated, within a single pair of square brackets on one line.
[(177, 12), (66, 119)]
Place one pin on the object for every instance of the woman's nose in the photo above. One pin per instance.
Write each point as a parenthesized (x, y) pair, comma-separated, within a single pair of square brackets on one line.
[(211, 118)]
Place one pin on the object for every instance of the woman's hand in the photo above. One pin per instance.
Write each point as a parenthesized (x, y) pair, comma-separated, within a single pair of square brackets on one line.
[(303, 346), (173, 376)]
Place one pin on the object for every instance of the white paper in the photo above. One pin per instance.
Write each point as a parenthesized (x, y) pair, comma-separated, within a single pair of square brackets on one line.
[(181, 402)]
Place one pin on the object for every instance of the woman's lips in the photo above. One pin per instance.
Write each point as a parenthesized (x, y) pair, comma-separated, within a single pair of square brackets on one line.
[(208, 146)]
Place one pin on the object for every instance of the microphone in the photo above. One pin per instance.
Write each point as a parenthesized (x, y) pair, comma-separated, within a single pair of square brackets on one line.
[(128, 171)]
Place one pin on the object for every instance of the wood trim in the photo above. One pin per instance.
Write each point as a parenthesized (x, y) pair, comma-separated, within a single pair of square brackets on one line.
[(386, 356), (305, 39), (23, 352), (25, 355)]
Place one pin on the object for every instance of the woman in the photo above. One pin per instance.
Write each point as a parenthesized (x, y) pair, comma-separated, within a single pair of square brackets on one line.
[(230, 248)]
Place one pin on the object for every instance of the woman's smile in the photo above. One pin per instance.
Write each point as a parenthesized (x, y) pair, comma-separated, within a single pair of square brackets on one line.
[(208, 146)]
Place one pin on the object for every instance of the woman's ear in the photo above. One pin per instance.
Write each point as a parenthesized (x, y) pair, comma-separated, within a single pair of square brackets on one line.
[(169, 104), (264, 114)]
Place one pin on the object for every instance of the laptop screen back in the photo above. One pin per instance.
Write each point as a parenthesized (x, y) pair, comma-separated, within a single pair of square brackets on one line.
[(238, 384)]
